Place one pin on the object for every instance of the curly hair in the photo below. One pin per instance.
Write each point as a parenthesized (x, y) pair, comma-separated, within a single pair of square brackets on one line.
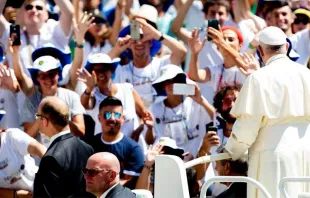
[(219, 96)]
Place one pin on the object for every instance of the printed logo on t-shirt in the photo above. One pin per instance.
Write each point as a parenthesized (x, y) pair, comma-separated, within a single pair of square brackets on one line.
[(14, 177), (4, 163)]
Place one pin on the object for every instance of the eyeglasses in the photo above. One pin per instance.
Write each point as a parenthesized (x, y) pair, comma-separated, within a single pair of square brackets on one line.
[(304, 21), (49, 75), (37, 116), (30, 7), (93, 172), (108, 115)]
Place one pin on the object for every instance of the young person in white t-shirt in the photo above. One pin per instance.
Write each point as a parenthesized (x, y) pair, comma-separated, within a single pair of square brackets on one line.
[(144, 68), (17, 167), (97, 75), (37, 29), (229, 41), (182, 118), (45, 76)]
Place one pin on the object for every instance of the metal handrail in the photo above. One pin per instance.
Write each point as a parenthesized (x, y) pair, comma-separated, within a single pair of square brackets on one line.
[(290, 179), (207, 159), (211, 180)]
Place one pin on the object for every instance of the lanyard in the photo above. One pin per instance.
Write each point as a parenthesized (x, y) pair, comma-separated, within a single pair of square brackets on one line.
[(218, 87)]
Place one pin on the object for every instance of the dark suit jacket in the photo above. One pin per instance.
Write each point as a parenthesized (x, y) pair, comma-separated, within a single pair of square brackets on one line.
[(236, 190), (120, 192), (60, 170)]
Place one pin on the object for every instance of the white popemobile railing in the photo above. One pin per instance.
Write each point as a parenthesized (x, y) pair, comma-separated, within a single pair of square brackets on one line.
[(293, 179), (232, 179), (171, 180)]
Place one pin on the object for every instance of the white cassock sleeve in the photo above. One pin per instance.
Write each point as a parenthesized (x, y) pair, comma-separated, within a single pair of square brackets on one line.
[(244, 133)]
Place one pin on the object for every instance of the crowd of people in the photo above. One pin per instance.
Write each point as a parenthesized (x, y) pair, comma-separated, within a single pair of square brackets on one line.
[(85, 106)]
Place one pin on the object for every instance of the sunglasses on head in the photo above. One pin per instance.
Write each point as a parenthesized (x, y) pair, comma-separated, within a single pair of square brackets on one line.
[(108, 115), (30, 7), (92, 172), (304, 21)]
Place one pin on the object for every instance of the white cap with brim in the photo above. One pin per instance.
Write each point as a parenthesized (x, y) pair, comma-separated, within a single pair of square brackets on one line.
[(44, 64), (272, 36), (166, 73), (101, 58)]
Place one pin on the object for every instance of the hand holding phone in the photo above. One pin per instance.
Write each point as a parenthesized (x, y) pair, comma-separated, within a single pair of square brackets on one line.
[(214, 23), (15, 34), (135, 30), (183, 89)]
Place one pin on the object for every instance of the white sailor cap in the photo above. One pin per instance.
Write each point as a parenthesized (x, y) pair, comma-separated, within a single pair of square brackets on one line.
[(272, 36)]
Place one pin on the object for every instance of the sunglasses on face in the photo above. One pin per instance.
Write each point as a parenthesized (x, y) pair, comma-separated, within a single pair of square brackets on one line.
[(92, 172), (304, 21), (30, 7), (108, 115), (49, 75)]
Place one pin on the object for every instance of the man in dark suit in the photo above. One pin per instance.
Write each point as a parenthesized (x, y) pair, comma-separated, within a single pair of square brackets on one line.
[(60, 170), (102, 175)]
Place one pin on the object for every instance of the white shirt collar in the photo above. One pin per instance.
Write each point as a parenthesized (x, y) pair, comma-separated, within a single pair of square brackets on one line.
[(107, 191), (58, 135)]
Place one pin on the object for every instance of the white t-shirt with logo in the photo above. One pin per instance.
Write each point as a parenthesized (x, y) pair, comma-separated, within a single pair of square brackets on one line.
[(17, 167), (186, 124), (221, 77), (301, 44)]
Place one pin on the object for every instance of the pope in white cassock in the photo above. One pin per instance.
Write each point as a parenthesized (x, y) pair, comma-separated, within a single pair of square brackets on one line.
[(273, 119)]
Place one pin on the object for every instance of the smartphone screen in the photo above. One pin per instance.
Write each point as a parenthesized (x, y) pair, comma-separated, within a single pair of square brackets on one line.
[(15, 34), (213, 23), (183, 89), (135, 30)]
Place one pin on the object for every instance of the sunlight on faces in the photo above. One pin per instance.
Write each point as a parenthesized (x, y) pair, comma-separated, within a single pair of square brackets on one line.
[(141, 49), (103, 72), (98, 30), (113, 125), (35, 15), (231, 38), (101, 178), (229, 99), (218, 12), (282, 18), (48, 80)]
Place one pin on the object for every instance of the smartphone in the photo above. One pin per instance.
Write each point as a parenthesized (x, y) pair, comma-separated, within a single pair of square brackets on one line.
[(135, 30), (212, 23), (15, 34), (183, 89), (212, 128)]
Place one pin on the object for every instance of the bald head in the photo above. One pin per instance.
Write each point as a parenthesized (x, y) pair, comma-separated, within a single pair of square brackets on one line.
[(56, 111), (105, 160)]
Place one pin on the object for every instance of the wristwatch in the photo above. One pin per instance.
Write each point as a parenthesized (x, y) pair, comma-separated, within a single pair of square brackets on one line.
[(161, 38), (79, 46)]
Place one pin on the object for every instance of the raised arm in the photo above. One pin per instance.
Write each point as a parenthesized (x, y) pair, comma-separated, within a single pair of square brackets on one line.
[(119, 11), (25, 82), (196, 45), (176, 27), (79, 32), (66, 15), (2, 19), (87, 98), (8, 80), (177, 48)]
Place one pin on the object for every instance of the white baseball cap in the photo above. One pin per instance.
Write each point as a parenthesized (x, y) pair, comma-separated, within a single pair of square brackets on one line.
[(272, 36)]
